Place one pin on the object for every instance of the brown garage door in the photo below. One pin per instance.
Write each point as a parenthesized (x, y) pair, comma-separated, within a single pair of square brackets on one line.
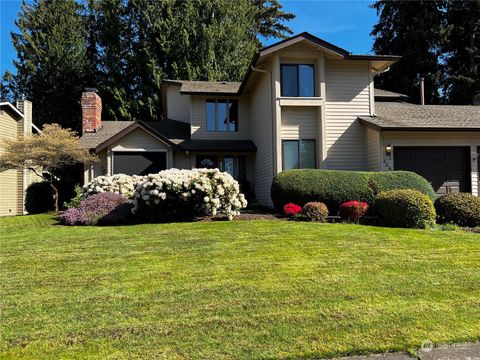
[(447, 168)]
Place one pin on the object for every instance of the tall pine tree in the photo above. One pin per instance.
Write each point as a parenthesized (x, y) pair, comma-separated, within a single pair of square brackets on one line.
[(126, 47), (414, 30), (52, 61), (462, 52)]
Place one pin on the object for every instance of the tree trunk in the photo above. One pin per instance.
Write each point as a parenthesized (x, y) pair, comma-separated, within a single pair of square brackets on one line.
[(55, 196)]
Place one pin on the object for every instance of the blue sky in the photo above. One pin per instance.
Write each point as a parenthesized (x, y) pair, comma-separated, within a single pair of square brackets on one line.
[(343, 23)]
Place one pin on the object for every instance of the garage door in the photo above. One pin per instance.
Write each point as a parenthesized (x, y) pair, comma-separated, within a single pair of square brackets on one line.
[(447, 168), (139, 163)]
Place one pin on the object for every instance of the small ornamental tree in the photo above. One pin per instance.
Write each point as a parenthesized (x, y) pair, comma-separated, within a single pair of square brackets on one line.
[(45, 154)]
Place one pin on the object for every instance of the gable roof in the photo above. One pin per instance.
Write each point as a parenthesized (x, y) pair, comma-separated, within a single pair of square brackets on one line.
[(5, 105), (379, 63), (169, 131), (403, 116)]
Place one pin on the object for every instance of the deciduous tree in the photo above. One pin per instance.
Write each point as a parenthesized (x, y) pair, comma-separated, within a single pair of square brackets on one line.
[(46, 154)]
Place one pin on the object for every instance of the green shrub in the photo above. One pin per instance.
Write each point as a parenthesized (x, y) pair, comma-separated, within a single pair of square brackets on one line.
[(315, 211), (334, 187), (39, 198), (404, 208), (74, 201), (391, 180), (462, 209)]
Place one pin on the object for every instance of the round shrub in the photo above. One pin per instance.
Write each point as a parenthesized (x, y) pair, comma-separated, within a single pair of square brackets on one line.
[(291, 209), (102, 209), (315, 211), (334, 187), (183, 194), (462, 209), (353, 210), (39, 198), (405, 209)]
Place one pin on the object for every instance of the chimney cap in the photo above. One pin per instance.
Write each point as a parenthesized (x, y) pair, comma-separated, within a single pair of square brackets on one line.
[(91, 89)]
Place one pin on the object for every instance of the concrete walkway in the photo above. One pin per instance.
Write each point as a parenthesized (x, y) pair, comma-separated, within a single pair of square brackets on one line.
[(468, 351)]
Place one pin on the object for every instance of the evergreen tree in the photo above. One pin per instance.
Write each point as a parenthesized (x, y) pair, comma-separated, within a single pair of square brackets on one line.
[(462, 52), (52, 62), (414, 30), (125, 48)]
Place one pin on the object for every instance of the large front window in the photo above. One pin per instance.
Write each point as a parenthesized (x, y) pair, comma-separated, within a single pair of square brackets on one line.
[(297, 80), (222, 115), (298, 154)]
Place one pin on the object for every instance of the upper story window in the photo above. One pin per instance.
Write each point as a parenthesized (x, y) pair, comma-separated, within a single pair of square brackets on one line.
[(222, 115), (297, 80)]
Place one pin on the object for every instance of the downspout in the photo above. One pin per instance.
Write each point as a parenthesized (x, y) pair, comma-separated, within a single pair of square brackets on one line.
[(271, 115)]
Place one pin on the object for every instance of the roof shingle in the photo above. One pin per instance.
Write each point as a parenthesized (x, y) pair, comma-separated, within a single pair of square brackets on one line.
[(397, 116), (206, 87)]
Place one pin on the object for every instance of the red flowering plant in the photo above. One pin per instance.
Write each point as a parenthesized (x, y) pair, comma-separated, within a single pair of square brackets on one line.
[(291, 209), (353, 210)]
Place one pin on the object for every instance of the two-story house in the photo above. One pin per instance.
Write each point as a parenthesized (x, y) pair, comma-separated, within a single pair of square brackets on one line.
[(303, 103)]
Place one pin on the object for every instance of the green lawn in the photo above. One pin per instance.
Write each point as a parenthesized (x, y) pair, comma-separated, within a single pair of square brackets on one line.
[(242, 289)]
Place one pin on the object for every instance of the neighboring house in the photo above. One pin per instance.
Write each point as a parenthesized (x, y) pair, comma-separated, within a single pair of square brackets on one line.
[(303, 103), (15, 122)]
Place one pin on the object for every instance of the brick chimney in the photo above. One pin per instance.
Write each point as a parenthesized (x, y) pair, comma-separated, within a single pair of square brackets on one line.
[(91, 111)]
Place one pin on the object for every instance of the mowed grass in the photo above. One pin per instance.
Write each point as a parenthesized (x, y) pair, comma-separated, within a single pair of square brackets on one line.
[(225, 290)]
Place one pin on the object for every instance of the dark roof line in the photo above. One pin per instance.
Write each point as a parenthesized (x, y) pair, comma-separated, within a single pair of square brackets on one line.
[(307, 36)]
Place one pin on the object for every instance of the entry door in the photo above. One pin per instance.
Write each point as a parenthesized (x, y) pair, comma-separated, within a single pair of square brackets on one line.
[(446, 168)]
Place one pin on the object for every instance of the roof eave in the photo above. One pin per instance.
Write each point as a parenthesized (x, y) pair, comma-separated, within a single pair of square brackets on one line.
[(371, 125), (236, 93), (12, 108)]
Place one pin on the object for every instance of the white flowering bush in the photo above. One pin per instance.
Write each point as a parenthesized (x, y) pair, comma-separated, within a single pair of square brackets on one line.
[(178, 193), (119, 184)]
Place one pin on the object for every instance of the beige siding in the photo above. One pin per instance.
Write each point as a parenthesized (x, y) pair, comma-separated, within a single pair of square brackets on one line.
[(139, 139), (410, 138), (373, 149), (262, 133), (299, 123), (182, 160), (11, 185), (178, 105), (199, 120), (347, 96), (99, 168)]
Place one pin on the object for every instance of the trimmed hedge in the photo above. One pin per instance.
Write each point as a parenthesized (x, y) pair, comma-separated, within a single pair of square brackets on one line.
[(39, 198), (405, 209), (334, 187), (462, 209)]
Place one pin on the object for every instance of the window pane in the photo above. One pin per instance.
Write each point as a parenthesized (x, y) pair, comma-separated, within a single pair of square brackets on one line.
[(228, 165), (290, 155), (289, 80), (210, 115), (233, 110), (207, 161), (306, 80), (307, 154), (222, 115)]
